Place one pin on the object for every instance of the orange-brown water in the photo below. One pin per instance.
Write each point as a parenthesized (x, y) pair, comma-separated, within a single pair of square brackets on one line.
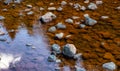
[(87, 41)]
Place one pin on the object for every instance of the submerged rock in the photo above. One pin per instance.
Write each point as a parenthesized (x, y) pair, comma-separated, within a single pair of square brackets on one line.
[(7, 2), (109, 66), (69, 50), (89, 21), (52, 58), (56, 48), (17, 1), (92, 6), (77, 68), (49, 16)]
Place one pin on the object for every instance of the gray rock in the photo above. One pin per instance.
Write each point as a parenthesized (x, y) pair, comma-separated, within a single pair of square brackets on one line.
[(89, 21), (92, 6), (83, 8), (51, 8), (69, 50), (3, 39), (63, 3), (75, 17), (7, 2), (2, 17), (61, 26), (59, 35), (59, 9), (52, 29), (29, 44), (69, 20), (82, 25), (77, 68), (52, 58), (49, 16), (78, 56), (17, 1), (56, 48), (30, 13), (109, 66)]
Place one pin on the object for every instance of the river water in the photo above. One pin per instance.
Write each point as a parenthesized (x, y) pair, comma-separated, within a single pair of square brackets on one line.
[(30, 48)]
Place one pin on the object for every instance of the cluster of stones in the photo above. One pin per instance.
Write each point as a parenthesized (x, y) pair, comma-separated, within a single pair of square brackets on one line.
[(69, 50)]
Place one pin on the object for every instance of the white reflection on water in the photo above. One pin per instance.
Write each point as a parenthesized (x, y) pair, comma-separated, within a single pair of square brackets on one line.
[(8, 59)]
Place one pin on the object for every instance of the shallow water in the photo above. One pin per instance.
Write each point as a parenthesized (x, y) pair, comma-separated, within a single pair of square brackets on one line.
[(32, 59)]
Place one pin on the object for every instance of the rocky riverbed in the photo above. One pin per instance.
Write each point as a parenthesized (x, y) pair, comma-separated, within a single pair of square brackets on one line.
[(81, 35)]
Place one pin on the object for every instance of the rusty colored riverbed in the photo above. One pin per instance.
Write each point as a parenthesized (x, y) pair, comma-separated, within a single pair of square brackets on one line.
[(87, 41)]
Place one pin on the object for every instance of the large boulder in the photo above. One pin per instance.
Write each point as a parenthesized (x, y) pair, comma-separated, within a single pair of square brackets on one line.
[(89, 21), (49, 16), (110, 66), (69, 50)]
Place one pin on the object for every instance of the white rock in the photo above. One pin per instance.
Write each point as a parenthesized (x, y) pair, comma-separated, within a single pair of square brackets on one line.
[(28, 9), (59, 9), (78, 56), (29, 6), (63, 3), (68, 36), (2, 33), (77, 6), (99, 2), (49, 16), (92, 6), (41, 9), (104, 17), (5, 10), (69, 20), (52, 29), (77, 68), (86, 1), (51, 8), (59, 35), (69, 50), (109, 66), (82, 25), (118, 8), (2, 17), (58, 61), (30, 13), (75, 17), (83, 8), (51, 4)]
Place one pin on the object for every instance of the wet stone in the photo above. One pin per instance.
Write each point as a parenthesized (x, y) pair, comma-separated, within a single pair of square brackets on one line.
[(92, 6), (49, 16), (69, 20), (59, 35), (77, 68), (52, 29), (30, 13), (52, 58), (89, 21), (59, 9), (69, 50), (61, 26), (41, 9), (63, 3), (82, 25), (109, 66), (56, 48)]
